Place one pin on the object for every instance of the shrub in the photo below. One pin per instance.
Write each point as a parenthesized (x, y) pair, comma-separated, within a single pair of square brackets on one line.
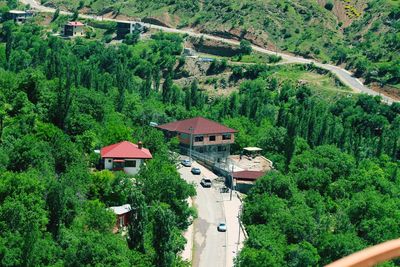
[(329, 5)]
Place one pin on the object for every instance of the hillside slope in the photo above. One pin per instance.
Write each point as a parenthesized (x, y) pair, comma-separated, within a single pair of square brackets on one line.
[(364, 34)]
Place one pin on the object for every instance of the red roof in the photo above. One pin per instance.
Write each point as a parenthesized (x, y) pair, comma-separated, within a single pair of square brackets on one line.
[(75, 23), (200, 125), (125, 150), (248, 175)]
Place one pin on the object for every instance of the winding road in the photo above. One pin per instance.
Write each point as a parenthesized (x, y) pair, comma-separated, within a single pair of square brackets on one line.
[(345, 76)]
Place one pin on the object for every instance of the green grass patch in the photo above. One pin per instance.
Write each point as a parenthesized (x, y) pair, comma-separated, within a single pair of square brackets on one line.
[(323, 85)]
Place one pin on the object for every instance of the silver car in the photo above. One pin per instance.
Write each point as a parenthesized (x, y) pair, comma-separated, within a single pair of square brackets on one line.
[(206, 182), (222, 227), (186, 163)]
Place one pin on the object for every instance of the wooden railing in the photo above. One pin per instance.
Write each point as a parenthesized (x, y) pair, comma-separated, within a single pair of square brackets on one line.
[(370, 256)]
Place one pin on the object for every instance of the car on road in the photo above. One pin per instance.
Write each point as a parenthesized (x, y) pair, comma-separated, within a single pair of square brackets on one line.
[(186, 163), (206, 182), (196, 171), (221, 227)]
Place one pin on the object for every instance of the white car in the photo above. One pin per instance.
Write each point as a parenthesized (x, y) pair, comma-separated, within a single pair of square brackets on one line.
[(186, 163), (222, 227)]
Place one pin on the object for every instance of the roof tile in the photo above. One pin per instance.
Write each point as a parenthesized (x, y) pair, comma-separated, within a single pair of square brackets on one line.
[(126, 150), (200, 125)]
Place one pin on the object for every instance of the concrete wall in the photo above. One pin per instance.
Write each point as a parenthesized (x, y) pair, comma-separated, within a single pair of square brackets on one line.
[(108, 164)]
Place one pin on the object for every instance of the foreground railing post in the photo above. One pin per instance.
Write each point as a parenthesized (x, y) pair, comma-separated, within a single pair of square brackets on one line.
[(370, 256)]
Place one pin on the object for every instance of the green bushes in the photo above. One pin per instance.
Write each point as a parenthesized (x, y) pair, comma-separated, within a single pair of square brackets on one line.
[(329, 5)]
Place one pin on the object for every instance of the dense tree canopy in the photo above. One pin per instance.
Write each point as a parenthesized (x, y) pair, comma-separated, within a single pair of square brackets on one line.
[(60, 100)]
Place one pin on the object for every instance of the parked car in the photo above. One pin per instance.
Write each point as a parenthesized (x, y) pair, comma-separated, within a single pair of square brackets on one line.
[(206, 182), (221, 227), (196, 171), (186, 163)]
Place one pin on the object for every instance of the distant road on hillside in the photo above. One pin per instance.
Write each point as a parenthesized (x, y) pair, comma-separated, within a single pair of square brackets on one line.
[(345, 76)]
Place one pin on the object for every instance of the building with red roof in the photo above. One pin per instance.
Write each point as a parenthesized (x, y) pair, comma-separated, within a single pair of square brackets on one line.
[(209, 139), (73, 28), (244, 180), (125, 156)]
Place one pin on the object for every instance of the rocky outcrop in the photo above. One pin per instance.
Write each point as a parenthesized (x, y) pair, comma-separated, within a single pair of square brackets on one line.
[(213, 47), (155, 21), (238, 34)]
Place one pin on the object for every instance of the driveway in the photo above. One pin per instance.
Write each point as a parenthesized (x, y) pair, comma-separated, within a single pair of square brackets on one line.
[(213, 248)]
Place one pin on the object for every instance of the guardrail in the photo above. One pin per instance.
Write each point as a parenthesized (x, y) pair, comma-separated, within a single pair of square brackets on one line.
[(370, 256)]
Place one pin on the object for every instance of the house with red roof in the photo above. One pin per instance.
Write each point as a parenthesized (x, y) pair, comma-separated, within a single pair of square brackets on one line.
[(208, 138), (73, 28), (125, 156)]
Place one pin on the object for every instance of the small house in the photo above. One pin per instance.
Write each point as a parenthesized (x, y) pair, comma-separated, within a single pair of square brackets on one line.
[(19, 16), (244, 180), (73, 29), (122, 216), (127, 27), (124, 156)]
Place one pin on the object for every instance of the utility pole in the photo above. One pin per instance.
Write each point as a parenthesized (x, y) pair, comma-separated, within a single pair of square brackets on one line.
[(238, 242), (231, 181), (191, 143)]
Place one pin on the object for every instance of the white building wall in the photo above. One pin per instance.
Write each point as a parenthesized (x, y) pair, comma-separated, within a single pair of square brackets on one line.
[(134, 170), (108, 164)]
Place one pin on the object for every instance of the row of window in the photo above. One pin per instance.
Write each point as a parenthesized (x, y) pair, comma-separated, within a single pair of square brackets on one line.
[(212, 138), (125, 164)]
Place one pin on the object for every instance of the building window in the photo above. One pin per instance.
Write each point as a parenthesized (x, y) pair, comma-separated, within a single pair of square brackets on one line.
[(226, 137), (130, 163), (212, 138), (110, 161), (118, 165), (199, 139)]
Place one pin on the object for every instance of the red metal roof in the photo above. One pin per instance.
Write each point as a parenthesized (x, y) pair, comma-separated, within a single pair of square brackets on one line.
[(200, 125), (125, 150), (75, 23), (248, 175)]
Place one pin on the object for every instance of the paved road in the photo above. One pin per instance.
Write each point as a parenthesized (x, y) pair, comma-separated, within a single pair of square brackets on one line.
[(209, 244), (344, 75)]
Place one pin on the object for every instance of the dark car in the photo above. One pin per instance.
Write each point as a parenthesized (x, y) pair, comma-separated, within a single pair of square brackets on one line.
[(206, 182), (196, 171)]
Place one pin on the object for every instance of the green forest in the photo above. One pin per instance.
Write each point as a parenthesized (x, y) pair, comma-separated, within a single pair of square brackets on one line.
[(362, 35), (335, 189)]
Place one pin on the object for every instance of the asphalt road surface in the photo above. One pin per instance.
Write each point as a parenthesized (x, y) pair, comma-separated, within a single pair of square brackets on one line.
[(209, 244), (345, 76)]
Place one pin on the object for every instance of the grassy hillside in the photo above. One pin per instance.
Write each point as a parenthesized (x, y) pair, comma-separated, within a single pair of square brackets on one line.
[(364, 34)]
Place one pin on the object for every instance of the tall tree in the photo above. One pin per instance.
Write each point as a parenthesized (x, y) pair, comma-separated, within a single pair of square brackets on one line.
[(164, 221), (137, 221)]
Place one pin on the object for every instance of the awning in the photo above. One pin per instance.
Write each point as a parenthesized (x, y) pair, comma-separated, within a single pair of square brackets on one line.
[(118, 160)]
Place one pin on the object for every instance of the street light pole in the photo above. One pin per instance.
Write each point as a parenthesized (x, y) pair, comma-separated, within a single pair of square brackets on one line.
[(231, 181), (191, 143), (238, 242)]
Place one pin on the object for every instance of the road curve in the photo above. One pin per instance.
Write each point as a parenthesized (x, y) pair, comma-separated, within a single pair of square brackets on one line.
[(345, 76)]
